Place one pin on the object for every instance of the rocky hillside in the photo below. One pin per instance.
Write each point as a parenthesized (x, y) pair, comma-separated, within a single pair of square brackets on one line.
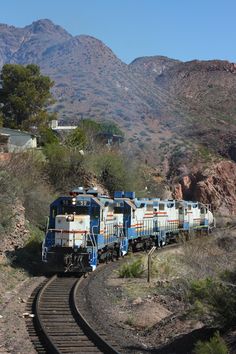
[(173, 112), (18, 233), (149, 95), (214, 185)]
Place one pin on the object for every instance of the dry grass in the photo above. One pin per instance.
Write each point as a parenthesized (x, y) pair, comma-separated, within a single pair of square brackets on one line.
[(9, 278), (209, 256), (200, 274)]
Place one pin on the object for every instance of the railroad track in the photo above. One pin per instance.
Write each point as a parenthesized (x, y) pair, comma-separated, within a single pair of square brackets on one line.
[(59, 326)]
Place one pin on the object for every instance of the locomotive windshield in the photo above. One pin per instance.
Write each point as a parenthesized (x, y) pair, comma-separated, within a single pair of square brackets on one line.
[(81, 207), (77, 209)]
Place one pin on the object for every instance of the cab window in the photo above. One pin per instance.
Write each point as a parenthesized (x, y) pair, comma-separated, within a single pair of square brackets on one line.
[(133, 213), (54, 212)]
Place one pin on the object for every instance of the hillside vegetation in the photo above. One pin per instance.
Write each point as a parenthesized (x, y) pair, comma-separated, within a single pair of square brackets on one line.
[(154, 100)]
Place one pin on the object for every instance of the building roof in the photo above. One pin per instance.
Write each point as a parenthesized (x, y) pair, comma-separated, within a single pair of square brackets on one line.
[(15, 132)]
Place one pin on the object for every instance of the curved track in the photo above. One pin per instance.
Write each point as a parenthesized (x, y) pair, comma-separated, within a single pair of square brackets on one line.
[(59, 323), (59, 326)]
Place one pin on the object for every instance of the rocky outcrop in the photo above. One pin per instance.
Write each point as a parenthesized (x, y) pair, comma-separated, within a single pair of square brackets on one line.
[(215, 185), (18, 233)]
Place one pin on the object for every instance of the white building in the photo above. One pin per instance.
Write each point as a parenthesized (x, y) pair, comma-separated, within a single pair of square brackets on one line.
[(16, 140), (54, 126)]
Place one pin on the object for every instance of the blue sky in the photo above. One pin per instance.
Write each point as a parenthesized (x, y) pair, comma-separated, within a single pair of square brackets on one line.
[(181, 29)]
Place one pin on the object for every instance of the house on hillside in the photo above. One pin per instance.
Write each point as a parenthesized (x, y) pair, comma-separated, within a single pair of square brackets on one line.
[(106, 138), (12, 140), (110, 139)]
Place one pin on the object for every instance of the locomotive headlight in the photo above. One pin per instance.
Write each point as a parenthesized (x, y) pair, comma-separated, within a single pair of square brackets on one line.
[(73, 201)]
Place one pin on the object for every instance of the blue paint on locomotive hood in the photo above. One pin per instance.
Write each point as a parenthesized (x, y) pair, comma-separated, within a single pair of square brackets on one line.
[(56, 208)]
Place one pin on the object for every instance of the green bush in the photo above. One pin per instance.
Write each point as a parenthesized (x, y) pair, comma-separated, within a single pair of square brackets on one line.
[(77, 139), (47, 136), (131, 270), (29, 256), (201, 289), (23, 178), (8, 193), (115, 171), (163, 268), (64, 167), (215, 345), (111, 127), (6, 217), (35, 240), (216, 298)]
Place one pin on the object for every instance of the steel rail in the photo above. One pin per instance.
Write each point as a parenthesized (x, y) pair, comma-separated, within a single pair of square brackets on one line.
[(60, 324), (90, 331), (48, 341)]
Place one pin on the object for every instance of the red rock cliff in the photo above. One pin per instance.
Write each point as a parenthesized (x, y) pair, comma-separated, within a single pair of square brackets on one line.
[(215, 185)]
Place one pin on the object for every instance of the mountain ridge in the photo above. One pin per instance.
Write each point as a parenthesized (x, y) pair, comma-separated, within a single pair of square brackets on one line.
[(155, 100)]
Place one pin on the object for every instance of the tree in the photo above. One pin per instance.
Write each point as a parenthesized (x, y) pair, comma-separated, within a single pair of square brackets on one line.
[(91, 129), (90, 126), (77, 138), (94, 130), (47, 136), (111, 127), (24, 95)]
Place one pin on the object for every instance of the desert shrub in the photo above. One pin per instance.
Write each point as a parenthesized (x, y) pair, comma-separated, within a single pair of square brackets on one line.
[(218, 299), (131, 270), (111, 127), (29, 256), (216, 345), (8, 196), (29, 183), (164, 268), (109, 168), (47, 136), (77, 139), (36, 238), (205, 258), (5, 218), (64, 167), (90, 130), (201, 288)]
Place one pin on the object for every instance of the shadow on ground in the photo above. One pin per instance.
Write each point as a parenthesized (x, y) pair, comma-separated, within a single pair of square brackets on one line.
[(28, 258), (182, 345)]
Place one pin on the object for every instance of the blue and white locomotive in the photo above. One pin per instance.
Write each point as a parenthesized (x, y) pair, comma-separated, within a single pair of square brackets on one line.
[(85, 227)]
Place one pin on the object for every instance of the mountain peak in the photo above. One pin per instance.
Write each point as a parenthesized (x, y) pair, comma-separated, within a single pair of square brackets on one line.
[(46, 26)]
